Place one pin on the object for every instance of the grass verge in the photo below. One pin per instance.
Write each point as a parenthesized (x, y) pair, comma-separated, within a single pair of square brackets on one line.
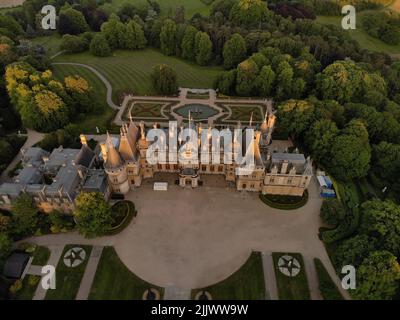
[(245, 284), (291, 288), (114, 281), (68, 279), (327, 287)]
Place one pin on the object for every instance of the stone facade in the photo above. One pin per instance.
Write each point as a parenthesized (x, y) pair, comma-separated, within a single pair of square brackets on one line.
[(282, 173)]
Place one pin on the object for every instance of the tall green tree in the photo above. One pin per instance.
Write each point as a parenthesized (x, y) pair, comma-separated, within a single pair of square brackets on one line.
[(386, 160), (234, 51), (99, 46), (165, 79), (135, 34), (265, 81), (93, 214), (319, 139), (295, 116), (350, 157), (115, 33), (226, 81), (353, 251), (24, 215), (203, 47), (250, 13), (72, 21), (377, 277), (381, 219), (246, 78), (168, 37), (188, 45)]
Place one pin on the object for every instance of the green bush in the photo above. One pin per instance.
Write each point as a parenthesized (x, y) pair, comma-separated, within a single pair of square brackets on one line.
[(332, 212), (345, 229), (124, 212)]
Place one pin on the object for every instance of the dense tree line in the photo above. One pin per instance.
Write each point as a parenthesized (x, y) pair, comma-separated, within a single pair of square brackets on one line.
[(44, 103), (383, 25)]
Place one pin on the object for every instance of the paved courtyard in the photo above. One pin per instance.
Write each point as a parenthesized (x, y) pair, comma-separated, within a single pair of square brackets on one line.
[(194, 238), (191, 238)]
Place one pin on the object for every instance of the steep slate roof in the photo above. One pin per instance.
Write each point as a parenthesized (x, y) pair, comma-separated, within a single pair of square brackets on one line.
[(113, 158), (29, 175), (33, 156), (11, 189), (84, 157), (67, 178)]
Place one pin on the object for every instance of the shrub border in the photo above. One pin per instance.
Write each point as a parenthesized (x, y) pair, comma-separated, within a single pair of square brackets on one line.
[(281, 206), (125, 222)]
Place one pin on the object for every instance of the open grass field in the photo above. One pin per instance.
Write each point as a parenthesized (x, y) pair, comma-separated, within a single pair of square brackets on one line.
[(291, 288), (114, 281), (169, 6), (365, 40), (104, 114), (245, 284), (68, 279), (129, 71), (50, 43)]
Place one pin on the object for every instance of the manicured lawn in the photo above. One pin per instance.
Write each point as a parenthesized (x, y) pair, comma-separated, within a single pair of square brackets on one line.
[(291, 288), (327, 287), (102, 117), (51, 43), (68, 279), (245, 284), (168, 6), (365, 40), (114, 281), (129, 71), (40, 256)]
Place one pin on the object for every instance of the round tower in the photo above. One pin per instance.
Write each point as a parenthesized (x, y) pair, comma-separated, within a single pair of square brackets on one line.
[(116, 170)]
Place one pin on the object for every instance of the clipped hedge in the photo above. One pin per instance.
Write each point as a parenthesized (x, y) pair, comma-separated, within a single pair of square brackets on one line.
[(284, 202), (348, 194), (328, 288), (126, 220)]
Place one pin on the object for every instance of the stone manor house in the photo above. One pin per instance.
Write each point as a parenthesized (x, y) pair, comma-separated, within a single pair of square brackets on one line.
[(55, 179), (126, 165)]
